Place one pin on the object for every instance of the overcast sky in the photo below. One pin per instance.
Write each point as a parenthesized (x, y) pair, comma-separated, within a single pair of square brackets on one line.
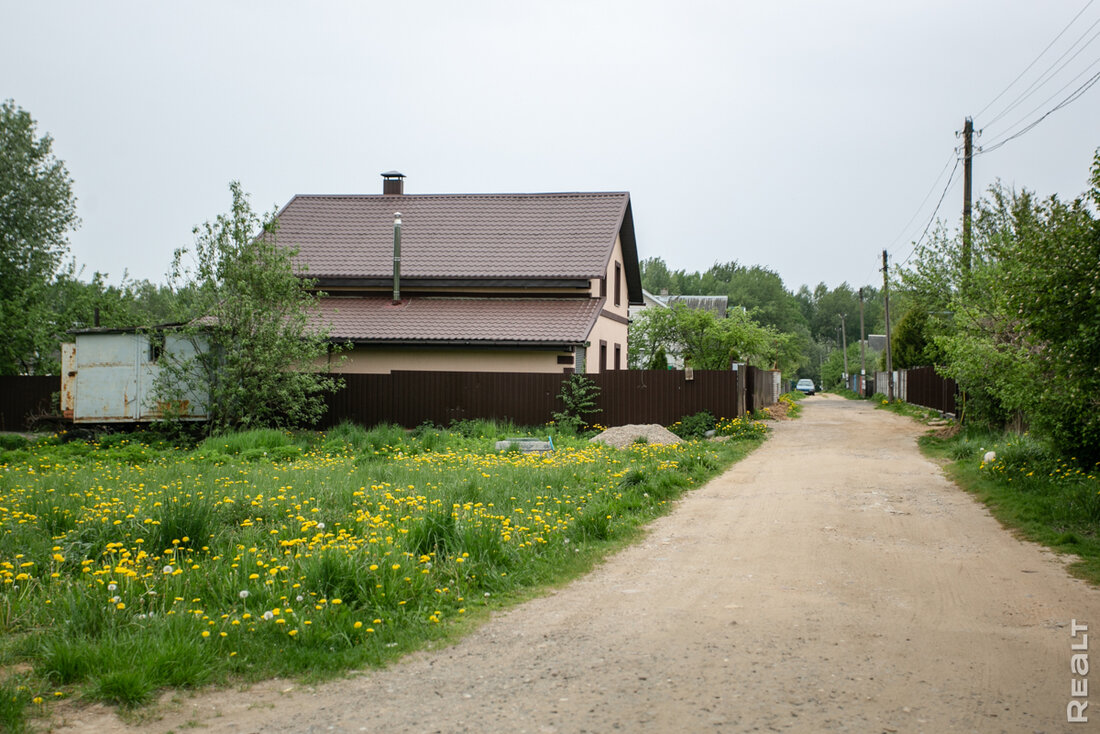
[(801, 136)]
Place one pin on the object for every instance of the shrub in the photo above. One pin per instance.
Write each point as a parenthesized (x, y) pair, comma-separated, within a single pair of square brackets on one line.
[(578, 396), (694, 426)]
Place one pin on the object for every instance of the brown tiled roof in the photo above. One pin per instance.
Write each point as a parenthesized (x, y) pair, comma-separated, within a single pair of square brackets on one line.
[(482, 321), (459, 236)]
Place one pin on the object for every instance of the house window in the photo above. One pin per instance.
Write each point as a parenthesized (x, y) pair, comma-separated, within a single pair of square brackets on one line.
[(618, 357), (603, 287), (603, 356), (565, 359), (618, 284)]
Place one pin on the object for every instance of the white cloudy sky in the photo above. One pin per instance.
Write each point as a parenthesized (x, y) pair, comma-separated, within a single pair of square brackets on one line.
[(799, 135)]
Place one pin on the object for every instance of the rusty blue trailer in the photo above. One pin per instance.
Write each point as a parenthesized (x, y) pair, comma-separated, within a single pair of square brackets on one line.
[(110, 376)]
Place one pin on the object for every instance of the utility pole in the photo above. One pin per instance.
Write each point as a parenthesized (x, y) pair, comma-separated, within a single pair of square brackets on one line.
[(862, 350), (844, 346), (889, 359), (968, 177)]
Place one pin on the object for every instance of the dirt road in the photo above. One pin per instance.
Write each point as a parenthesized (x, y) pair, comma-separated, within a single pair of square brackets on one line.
[(833, 581)]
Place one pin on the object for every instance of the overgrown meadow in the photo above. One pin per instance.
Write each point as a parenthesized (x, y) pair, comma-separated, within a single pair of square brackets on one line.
[(128, 566)]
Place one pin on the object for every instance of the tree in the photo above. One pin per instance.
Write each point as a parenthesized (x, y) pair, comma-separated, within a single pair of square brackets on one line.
[(253, 325), (37, 210), (706, 342), (1025, 331)]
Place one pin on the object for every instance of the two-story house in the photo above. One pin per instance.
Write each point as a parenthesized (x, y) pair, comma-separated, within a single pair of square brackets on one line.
[(470, 282)]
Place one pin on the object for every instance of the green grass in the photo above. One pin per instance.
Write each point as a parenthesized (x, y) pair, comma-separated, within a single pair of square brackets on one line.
[(127, 567), (1055, 503)]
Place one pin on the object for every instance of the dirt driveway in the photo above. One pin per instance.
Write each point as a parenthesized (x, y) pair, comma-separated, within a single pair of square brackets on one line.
[(833, 581)]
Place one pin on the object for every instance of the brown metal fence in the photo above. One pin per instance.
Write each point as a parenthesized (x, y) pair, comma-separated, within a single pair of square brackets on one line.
[(924, 386), (411, 398), (23, 397), (627, 396)]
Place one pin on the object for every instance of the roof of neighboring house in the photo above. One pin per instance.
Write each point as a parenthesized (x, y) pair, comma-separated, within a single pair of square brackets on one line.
[(462, 236), (482, 321), (714, 304)]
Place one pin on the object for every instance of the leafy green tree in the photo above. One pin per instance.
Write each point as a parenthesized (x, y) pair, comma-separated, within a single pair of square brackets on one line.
[(706, 342), (37, 210), (1025, 333), (253, 325)]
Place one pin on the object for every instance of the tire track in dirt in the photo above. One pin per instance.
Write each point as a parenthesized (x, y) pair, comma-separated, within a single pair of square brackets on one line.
[(832, 581)]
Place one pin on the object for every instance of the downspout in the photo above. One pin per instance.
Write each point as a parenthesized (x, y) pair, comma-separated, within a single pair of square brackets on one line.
[(396, 258)]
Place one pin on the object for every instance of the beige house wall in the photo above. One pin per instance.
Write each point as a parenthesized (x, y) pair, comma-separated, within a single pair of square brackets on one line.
[(383, 360), (613, 333)]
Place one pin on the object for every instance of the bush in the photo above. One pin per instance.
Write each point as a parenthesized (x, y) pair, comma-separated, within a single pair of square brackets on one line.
[(12, 441), (578, 396), (694, 426)]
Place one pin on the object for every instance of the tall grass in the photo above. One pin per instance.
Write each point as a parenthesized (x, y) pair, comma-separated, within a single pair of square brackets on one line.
[(267, 553)]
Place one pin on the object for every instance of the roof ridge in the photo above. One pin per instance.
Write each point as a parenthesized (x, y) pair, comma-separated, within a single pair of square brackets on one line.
[(537, 194)]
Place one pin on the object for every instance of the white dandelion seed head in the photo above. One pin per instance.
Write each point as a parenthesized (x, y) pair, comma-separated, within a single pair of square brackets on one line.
[(243, 594), (990, 457), (268, 615), (299, 597), (320, 526), (167, 570), (112, 587)]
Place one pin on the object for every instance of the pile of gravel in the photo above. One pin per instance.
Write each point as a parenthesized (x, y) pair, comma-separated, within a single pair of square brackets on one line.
[(621, 436)]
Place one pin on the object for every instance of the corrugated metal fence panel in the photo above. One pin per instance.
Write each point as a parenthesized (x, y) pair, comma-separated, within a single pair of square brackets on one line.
[(22, 397), (410, 398), (665, 396), (627, 396), (924, 386)]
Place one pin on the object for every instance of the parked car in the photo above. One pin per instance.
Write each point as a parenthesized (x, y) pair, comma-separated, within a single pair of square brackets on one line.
[(805, 385)]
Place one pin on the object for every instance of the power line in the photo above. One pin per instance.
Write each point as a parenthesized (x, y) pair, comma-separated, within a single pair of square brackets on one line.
[(1048, 74), (1036, 60), (950, 180), (1074, 96), (935, 183)]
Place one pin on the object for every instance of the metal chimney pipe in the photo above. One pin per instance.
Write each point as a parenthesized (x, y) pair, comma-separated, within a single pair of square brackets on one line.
[(396, 258)]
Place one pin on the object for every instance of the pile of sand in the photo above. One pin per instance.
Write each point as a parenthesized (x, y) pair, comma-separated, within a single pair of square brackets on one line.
[(621, 436)]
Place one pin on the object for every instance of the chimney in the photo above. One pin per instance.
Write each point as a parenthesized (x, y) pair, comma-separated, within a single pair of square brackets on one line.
[(393, 183), (396, 258)]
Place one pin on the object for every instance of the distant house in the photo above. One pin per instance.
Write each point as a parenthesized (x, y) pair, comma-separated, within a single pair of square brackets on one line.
[(716, 305), (480, 282)]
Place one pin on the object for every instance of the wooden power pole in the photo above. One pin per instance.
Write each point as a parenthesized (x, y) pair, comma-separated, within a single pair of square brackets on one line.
[(862, 350), (844, 347), (886, 300), (968, 177)]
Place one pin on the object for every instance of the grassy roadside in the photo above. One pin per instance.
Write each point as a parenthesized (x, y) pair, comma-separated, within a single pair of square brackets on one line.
[(127, 566), (1055, 503)]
